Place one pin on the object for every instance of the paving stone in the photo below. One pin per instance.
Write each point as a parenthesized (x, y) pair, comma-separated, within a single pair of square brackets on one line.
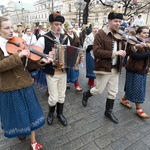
[(107, 148), (57, 141), (75, 133), (134, 136), (88, 128), (72, 145), (138, 146), (119, 132), (89, 137), (105, 129), (78, 123), (90, 146), (146, 140), (121, 144), (81, 115), (104, 141), (91, 126)]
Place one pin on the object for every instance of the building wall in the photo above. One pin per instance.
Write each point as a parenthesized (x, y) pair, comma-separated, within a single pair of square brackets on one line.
[(97, 12)]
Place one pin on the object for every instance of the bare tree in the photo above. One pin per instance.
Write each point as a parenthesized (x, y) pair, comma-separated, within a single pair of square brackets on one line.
[(130, 6)]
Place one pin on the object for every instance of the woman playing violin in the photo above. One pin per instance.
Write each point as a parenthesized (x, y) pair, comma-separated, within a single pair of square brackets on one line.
[(136, 72), (20, 110)]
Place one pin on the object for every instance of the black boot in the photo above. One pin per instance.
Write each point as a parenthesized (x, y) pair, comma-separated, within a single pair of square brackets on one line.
[(60, 115), (85, 97), (50, 116), (108, 111)]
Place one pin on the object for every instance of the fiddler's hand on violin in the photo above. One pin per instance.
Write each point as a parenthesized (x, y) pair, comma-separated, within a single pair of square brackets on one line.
[(121, 53), (51, 54), (48, 59), (140, 45), (24, 53), (82, 59)]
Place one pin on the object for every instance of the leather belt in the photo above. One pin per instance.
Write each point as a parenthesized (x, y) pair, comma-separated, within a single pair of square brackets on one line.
[(113, 66)]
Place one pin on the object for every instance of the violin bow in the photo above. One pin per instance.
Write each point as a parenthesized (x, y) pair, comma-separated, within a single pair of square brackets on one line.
[(127, 38), (27, 58)]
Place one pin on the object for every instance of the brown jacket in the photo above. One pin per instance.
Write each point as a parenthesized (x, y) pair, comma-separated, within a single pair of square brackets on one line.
[(103, 52), (12, 73), (139, 66)]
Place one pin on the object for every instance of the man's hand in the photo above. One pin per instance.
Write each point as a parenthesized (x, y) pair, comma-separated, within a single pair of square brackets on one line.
[(47, 60), (121, 53)]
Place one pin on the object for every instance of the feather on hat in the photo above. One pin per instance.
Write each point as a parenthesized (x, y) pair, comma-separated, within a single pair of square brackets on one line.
[(116, 12)]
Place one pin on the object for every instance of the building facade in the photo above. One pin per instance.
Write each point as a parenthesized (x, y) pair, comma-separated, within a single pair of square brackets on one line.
[(40, 10)]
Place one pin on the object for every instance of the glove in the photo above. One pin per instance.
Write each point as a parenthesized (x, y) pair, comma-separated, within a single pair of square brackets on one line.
[(89, 48)]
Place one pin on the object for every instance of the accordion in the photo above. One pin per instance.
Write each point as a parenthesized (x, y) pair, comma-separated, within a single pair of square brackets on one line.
[(66, 56)]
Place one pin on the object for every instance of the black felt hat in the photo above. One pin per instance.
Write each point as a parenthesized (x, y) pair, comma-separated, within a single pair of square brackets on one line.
[(56, 16), (114, 15)]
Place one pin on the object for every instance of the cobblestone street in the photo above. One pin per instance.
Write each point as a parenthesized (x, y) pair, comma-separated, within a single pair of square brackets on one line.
[(88, 128)]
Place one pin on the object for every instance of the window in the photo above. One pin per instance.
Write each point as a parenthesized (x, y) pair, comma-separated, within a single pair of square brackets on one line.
[(97, 2), (69, 7), (96, 18)]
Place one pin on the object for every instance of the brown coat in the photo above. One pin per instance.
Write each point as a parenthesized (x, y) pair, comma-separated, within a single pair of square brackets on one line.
[(12, 73), (103, 52), (139, 66)]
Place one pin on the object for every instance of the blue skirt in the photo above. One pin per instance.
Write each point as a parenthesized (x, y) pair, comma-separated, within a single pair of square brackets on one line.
[(135, 87), (72, 75), (20, 112), (40, 79), (90, 66)]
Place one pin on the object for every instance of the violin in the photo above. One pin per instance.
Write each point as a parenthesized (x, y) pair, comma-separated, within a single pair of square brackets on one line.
[(120, 35), (16, 44), (133, 40)]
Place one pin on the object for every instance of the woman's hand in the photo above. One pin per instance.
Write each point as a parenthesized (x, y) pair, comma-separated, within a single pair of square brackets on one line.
[(140, 45), (24, 53)]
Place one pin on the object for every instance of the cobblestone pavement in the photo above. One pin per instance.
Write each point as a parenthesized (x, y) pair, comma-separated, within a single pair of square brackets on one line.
[(88, 128)]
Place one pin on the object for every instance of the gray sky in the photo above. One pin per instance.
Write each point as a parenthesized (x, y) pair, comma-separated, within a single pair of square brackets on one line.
[(5, 2)]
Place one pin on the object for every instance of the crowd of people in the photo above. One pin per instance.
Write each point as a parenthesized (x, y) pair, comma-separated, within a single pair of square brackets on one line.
[(104, 59)]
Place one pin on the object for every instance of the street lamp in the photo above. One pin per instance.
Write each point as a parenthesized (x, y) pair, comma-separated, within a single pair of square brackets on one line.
[(22, 9), (80, 5)]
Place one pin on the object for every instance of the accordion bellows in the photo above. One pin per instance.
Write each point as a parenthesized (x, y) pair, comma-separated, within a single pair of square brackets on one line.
[(66, 56)]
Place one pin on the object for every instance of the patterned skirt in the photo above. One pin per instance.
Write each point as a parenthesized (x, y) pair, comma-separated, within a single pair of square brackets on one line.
[(135, 87), (40, 80), (72, 75), (90, 66), (20, 112)]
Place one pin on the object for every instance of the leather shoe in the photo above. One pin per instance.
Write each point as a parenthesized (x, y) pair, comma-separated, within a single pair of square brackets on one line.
[(141, 113), (111, 116), (62, 119), (126, 103), (78, 89)]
